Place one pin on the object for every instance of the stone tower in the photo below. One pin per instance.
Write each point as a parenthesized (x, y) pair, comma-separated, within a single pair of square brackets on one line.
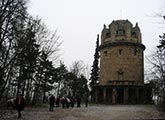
[(122, 66), (121, 53)]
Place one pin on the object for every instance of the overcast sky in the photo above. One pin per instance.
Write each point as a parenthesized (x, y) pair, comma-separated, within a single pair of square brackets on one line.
[(79, 21)]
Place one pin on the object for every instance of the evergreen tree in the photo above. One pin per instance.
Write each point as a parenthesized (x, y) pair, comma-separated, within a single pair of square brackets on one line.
[(82, 87), (94, 79), (44, 77), (77, 85), (26, 61), (60, 76)]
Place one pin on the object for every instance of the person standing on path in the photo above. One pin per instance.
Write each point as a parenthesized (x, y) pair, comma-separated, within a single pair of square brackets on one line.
[(58, 102), (67, 100), (78, 101), (63, 102), (51, 102), (20, 104), (72, 102), (86, 102)]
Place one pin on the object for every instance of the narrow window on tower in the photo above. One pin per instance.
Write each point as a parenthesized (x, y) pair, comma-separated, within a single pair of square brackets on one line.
[(120, 51), (107, 34), (120, 75), (105, 53), (135, 51)]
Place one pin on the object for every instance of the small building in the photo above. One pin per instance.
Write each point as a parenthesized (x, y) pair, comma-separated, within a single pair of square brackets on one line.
[(122, 66)]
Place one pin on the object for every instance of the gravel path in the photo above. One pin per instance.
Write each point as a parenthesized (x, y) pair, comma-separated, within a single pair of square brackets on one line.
[(93, 112)]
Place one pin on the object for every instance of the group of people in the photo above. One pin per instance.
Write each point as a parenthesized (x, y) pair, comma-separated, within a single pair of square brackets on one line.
[(66, 102)]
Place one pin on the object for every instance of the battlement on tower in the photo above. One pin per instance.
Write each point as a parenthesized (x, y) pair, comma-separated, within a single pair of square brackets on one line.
[(121, 30)]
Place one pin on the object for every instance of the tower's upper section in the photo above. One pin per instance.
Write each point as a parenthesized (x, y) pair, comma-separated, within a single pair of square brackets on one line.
[(121, 31)]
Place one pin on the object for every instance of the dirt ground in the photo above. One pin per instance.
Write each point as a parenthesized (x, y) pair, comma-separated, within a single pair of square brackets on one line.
[(92, 112)]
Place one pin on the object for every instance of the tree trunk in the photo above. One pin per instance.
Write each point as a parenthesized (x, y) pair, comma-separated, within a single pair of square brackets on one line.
[(4, 85)]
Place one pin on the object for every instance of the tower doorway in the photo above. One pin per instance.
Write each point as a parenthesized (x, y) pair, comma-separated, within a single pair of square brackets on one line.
[(109, 96), (120, 95), (101, 97)]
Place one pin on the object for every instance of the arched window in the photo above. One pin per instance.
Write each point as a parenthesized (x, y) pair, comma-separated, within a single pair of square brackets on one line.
[(120, 31), (120, 75)]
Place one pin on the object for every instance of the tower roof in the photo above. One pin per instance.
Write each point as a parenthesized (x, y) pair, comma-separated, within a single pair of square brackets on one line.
[(121, 22), (121, 30)]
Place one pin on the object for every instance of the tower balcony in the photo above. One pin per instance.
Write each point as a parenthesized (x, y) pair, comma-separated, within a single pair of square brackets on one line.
[(121, 82)]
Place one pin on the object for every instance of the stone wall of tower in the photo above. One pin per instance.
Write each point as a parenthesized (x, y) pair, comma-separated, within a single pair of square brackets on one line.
[(121, 53)]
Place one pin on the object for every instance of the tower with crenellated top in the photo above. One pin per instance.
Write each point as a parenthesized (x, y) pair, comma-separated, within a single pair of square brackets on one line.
[(121, 53), (121, 65)]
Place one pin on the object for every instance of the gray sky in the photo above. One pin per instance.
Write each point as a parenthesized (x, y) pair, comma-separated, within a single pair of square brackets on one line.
[(79, 21)]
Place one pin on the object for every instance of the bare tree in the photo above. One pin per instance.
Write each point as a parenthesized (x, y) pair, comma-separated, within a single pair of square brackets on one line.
[(157, 61), (79, 83), (12, 16), (78, 68), (49, 41)]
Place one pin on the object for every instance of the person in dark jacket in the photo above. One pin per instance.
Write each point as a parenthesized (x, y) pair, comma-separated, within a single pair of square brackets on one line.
[(63, 102), (86, 102), (72, 102), (51, 102), (78, 101), (20, 104), (58, 102)]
